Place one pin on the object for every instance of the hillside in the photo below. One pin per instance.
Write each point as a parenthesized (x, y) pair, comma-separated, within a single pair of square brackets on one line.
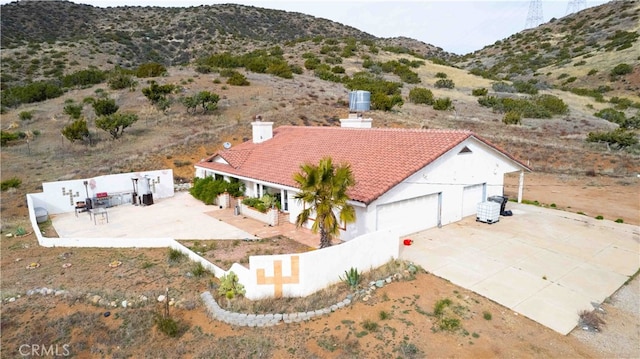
[(60, 59), (572, 52), (49, 38)]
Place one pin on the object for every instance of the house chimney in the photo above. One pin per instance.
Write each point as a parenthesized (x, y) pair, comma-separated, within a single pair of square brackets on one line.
[(262, 131), (355, 120)]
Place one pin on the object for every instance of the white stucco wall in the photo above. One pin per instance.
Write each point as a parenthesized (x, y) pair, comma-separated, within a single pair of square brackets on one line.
[(61, 196)]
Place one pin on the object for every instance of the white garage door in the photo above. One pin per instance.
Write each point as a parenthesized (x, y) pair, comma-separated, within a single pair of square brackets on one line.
[(409, 215), (471, 196)]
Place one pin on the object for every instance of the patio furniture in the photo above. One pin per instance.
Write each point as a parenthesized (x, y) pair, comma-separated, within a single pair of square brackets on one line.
[(99, 211)]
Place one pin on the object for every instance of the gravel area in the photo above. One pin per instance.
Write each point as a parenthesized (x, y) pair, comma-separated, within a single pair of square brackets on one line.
[(620, 337)]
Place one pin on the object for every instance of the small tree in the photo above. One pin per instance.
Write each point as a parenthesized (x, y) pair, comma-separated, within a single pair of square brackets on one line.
[(324, 193), (105, 107), (443, 104), (157, 94), (116, 123), (77, 130)]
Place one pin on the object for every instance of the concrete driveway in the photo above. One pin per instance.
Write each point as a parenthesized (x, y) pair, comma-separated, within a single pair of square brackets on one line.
[(542, 263)]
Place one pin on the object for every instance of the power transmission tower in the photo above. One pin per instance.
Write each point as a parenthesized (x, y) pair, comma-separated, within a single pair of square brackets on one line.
[(534, 17), (575, 6)]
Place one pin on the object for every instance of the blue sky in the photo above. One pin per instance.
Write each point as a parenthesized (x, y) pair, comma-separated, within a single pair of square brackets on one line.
[(455, 26)]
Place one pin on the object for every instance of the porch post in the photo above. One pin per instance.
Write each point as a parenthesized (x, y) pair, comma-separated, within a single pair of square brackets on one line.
[(520, 186)]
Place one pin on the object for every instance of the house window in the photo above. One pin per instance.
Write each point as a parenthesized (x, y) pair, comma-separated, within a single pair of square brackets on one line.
[(465, 150)]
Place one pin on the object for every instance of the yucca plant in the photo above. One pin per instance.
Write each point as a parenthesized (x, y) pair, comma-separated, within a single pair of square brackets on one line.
[(351, 278)]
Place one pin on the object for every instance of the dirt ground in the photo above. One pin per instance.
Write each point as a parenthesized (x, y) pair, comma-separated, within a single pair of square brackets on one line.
[(399, 320)]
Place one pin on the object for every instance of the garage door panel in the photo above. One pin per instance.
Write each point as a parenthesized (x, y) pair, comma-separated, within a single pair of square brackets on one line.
[(471, 196), (409, 215)]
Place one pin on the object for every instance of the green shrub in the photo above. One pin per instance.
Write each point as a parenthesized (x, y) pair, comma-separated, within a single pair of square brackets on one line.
[(370, 325), (443, 104), (150, 69), (421, 95), (238, 79), (25, 115), (479, 92), (6, 136), (207, 189), (73, 110), (592, 72), (13, 182), (167, 325), (512, 118), (619, 220), (599, 217), (198, 270), (525, 87), (502, 87), (445, 83), (175, 255), (486, 315), (619, 137), (441, 75), (621, 69)]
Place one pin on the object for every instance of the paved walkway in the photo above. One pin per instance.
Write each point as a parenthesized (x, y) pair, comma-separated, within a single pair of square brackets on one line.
[(545, 264), (178, 217)]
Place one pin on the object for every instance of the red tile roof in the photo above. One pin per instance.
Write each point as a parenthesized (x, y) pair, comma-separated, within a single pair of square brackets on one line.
[(380, 158)]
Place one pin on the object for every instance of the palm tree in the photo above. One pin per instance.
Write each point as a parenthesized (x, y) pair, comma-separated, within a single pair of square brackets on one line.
[(324, 193)]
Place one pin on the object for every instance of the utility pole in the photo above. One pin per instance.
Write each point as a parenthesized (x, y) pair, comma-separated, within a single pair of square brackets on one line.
[(575, 6), (534, 17)]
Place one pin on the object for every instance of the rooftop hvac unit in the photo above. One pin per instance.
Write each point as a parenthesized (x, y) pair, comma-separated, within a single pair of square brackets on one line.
[(488, 212)]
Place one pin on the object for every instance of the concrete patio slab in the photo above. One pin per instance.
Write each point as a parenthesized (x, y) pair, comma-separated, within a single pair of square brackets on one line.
[(178, 217), (545, 264)]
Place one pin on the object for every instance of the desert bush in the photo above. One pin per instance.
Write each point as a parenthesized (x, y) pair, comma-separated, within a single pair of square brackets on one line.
[(512, 118), (13, 182), (479, 92), (175, 256), (150, 69), (380, 101), (421, 95), (623, 103), (486, 315), (84, 78), (621, 40), (167, 325), (238, 79), (73, 110), (370, 325), (121, 79), (525, 87), (443, 104), (441, 75), (592, 72), (502, 87), (198, 270), (445, 83), (25, 115), (33, 92), (620, 70), (311, 63), (619, 138)]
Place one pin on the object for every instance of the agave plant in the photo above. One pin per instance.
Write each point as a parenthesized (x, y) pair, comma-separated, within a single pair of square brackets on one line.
[(351, 277)]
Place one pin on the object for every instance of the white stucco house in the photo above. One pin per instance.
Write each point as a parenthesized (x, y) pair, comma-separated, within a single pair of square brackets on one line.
[(406, 179)]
